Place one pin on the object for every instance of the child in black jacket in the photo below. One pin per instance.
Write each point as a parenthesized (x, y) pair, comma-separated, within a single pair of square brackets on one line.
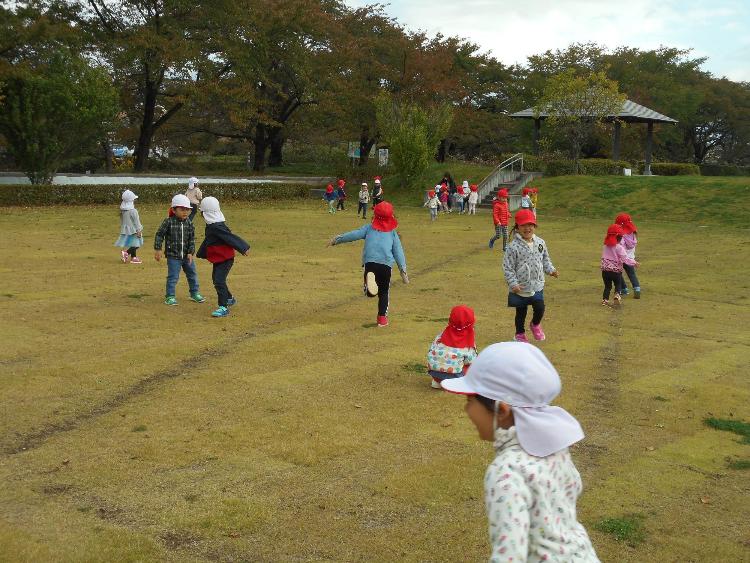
[(218, 248)]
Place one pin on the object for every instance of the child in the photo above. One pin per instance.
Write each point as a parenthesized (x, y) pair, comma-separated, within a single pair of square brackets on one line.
[(382, 248), (340, 195), (432, 203), (465, 191), (613, 257), (218, 248), (444, 199), (458, 200), (330, 197), (178, 235), (526, 199), (364, 198), (454, 349), (473, 199), (377, 192), (131, 230), (500, 216), (525, 263), (629, 241), (194, 195), (532, 486)]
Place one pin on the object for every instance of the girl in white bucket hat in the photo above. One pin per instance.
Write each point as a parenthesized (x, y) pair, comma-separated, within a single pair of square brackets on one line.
[(531, 487)]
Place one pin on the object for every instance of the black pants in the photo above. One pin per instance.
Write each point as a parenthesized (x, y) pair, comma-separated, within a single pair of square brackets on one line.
[(219, 277), (363, 208), (340, 205), (193, 211), (383, 279), (536, 317), (132, 250), (630, 271), (611, 279)]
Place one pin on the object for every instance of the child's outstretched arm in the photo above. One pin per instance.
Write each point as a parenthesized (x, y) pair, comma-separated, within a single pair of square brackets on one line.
[(356, 234)]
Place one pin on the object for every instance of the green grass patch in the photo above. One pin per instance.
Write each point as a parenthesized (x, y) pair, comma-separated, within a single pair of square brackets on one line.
[(737, 426), (137, 295), (415, 367), (739, 464), (628, 529), (139, 428)]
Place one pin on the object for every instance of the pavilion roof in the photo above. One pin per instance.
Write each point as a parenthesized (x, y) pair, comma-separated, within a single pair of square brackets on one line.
[(630, 112)]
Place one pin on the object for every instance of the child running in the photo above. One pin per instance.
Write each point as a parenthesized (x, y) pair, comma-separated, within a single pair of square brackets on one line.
[(526, 202), (613, 258), (532, 486), (194, 195), (444, 199), (454, 349), (218, 248), (500, 216), (432, 203), (377, 192), (525, 263), (178, 236), (629, 241), (382, 248), (340, 195), (473, 199), (330, 197), (131, 230), (364, 199)]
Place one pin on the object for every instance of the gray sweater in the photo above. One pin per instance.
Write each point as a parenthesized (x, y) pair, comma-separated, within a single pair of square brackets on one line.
[(526, 265)]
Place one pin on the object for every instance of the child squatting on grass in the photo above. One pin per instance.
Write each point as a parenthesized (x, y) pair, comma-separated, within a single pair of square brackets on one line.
[(613, 258), (453, 350), (177, 234), (131, 230), (382, 248), (531, 488), (525, 263), (218, 248)]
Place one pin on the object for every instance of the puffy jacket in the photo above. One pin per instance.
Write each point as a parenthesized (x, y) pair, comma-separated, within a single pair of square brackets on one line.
[(526, 265), (500, 212)]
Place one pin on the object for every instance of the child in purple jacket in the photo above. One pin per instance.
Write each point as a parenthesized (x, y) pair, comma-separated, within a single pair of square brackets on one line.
[(613, 258)]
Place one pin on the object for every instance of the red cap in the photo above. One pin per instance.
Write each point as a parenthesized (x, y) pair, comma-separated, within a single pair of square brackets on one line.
[(502, 193), (473, 187), (329, 188), (384, 220), (624, 220), (431, 193), (524, 217), (341, 183), (460, 330), (526, 191), (613, 231)]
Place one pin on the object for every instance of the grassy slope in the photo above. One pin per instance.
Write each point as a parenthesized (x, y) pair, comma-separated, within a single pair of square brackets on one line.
[(292, 431)]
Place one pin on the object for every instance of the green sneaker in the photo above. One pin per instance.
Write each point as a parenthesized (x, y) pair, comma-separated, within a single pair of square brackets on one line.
[(170, 300), (197, 297)]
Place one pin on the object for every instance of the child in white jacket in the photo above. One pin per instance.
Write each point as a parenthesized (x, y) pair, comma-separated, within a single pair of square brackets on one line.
[(532, 486), (433, 204), (473, 199)]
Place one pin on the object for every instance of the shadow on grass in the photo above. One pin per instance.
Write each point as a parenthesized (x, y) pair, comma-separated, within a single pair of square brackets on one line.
[(737, 426), (628, 529)]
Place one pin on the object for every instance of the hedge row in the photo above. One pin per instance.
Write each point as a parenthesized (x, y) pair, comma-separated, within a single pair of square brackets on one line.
[(147, 193), (724, 170), (675, 169), (561, 167)]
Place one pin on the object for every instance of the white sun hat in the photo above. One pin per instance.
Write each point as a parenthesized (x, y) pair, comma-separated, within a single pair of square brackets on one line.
[(520, 375), (181, 200), (128, 199), (211, 210), (192, 182)]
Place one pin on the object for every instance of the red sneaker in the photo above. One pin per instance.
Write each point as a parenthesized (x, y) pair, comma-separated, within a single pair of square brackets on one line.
[(382, 321)]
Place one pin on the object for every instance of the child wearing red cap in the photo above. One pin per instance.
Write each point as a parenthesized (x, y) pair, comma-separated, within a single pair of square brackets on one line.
[(525, 263), (534, 196), (340, 195), (432, 203), (500, 216), (629, 241), (473, 199), (454, 349), (444, 199), (613, 258), (330, 197), (382, 248), (526, 202)]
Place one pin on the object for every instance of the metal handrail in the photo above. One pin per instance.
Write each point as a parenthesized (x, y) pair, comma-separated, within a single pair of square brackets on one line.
[(503, 172)]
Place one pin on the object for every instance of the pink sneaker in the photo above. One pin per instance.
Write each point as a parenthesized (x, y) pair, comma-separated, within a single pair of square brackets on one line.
[(521, 337), (124, 256), (382, 321), (537, 331), (136, 260)]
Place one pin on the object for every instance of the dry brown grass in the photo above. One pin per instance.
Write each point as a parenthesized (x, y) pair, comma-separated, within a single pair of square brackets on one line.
[(294, 431)]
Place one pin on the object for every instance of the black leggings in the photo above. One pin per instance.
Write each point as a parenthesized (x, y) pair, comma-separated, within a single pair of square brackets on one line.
[(383, 279), (610, 279), (340, 205), (363, 208), (536, 317), (219, 277), (132, 250)]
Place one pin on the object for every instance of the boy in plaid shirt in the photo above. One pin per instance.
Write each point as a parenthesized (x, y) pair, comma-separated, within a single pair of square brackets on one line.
[(178, 235)]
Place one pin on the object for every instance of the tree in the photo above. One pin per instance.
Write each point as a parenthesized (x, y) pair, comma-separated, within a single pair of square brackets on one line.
[(576, 103), (412, 133), (53, 109)]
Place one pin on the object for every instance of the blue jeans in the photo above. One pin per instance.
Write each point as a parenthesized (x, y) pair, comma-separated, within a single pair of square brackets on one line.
[(173, 274)]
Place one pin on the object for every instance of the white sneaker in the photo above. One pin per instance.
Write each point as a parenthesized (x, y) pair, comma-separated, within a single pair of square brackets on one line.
[(371, 284), (124, 256), (436, 385)]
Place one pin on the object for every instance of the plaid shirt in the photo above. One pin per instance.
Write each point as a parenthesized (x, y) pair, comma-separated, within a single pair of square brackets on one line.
[(178, 237)]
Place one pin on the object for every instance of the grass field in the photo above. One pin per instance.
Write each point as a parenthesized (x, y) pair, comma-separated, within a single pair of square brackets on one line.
[(296, 431)]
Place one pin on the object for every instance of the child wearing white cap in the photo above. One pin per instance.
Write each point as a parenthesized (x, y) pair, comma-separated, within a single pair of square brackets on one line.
[(532, 486), (177, 234), (131, 230), (195, 196)]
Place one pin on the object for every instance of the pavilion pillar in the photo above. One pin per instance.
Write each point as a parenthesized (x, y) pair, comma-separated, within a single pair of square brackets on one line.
[(649, 148), (537, 134), (616, 141)]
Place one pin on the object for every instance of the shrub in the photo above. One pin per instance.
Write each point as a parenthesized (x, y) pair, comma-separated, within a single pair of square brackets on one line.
[(82, 164), (675, 169), (724, 170), (147, 193)]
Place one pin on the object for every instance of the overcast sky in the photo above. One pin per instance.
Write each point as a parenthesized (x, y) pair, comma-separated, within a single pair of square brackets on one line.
[(717, 29)]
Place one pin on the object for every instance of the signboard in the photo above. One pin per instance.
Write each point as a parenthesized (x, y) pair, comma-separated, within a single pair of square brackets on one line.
[(382, 157)]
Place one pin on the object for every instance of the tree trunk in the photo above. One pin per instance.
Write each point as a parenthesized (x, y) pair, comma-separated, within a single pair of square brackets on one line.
[(108, 156), (277, 140), (260, 142), (147, 128), (365, 145), (442, 150)]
